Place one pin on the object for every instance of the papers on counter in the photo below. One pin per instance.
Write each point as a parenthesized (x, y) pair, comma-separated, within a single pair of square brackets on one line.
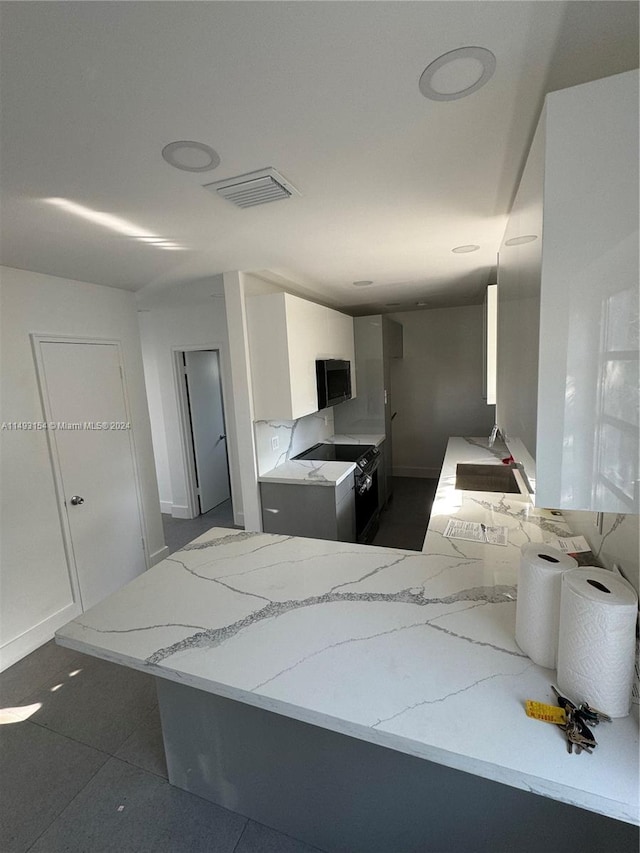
[(571, 544), (474, 531)]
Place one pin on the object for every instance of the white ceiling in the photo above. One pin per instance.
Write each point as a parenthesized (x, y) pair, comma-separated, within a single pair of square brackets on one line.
[(325, 92)]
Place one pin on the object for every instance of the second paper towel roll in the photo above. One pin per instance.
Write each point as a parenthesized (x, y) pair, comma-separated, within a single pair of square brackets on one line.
[(538, 602), (596, 649)]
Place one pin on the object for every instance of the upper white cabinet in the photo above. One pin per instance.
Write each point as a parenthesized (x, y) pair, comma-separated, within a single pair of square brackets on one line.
[(568, 319), (339, 341), (286, 336)]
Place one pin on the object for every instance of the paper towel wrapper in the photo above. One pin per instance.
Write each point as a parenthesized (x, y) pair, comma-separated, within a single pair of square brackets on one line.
[(596, 648), (538, 601)]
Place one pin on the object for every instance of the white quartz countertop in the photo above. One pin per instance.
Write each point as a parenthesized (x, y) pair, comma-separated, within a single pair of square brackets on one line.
[(412, 651), (317, 473)]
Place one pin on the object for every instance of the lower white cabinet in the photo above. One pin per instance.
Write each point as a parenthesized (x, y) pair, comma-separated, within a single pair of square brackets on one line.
[(317, 512)]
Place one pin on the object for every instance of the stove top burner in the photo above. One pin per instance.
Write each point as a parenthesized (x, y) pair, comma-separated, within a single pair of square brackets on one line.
[(364, 455), (335, 452)]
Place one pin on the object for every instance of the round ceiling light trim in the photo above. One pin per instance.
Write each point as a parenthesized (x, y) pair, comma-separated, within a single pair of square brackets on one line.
[(363, 283), (463, 250), (458, 73), (190, 156), (520, 241)]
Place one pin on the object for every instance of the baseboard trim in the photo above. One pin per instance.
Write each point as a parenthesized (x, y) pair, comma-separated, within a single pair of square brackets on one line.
[(178, 511), (165, 507), (18, 648), (158, 556), (426, 473), (238, 518)]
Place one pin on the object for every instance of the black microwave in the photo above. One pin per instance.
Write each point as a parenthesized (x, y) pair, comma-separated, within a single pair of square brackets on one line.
[(334, 382)]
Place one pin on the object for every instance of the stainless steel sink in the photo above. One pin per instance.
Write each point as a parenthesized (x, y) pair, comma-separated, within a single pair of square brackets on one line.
[(486, 478)]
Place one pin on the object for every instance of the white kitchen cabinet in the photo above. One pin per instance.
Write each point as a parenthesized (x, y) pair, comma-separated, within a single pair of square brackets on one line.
[(286, 336), (378, 339), (339, 341), (567, 395)]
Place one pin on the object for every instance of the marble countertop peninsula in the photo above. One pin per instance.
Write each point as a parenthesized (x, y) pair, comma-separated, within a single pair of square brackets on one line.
[(318, 473), (412, 651)]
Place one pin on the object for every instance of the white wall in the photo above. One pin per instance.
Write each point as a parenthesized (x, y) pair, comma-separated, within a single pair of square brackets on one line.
[(256, 454), (36, 594), (184, 317), (156, 415), (617, 544), (437, 386), (236, 285)]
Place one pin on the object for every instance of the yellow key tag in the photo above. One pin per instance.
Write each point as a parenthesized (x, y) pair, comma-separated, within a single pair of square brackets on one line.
[(546, 713)]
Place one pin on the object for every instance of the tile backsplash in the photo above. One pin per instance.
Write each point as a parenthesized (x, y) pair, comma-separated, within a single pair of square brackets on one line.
[(292, 437)]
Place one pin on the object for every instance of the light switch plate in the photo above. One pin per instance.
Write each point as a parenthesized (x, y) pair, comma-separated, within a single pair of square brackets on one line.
[(275, 442)]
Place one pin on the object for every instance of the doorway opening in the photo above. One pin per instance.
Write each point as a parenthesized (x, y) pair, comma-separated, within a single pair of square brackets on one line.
[(204, 433)]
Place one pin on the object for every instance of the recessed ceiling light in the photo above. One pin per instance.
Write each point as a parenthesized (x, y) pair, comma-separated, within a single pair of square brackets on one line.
[(363, 283), (190, 156), (457, 73), (421, 304), (462, 250), (519, 241)]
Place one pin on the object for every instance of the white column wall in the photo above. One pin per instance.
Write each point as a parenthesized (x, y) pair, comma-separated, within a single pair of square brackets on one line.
[(181, 318)]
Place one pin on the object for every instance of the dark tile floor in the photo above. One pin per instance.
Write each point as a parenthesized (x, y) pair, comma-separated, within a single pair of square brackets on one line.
[(81, 756), (179, 531), (403, 522), (84, 770)]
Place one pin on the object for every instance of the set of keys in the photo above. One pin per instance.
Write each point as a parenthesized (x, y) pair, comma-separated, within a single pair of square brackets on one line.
[(578, 733)]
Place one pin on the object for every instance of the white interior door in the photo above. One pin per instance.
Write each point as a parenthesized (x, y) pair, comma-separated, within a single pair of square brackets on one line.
[(202, 368), (83, 388)]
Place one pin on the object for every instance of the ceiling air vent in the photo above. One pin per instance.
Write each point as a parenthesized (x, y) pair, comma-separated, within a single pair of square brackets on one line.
[(260, 187)]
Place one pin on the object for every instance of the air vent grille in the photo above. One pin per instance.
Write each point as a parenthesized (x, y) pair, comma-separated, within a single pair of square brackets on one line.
[(253, 188)]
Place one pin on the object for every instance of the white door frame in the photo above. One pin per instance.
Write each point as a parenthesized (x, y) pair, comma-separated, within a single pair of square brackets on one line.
[(36, 340), (184, 419)]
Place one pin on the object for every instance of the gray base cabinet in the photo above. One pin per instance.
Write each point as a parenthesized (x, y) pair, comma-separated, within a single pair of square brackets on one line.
[(344, 795), (318, 512)]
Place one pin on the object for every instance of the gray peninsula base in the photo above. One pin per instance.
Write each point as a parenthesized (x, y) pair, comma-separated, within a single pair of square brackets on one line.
[(343, 794)]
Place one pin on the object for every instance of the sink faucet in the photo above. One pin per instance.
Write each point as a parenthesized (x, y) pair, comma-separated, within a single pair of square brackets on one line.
[(494, 434)]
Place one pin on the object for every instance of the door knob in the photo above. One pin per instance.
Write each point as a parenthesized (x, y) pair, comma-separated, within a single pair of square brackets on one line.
[(76, 500), (220, 437)]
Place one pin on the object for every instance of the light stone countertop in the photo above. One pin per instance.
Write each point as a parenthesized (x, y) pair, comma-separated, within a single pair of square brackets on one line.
[(318, 473), (412, 651), (295, 472)]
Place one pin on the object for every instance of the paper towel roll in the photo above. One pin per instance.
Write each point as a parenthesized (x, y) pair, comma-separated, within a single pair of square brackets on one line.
[(538, 602), (596, 647)]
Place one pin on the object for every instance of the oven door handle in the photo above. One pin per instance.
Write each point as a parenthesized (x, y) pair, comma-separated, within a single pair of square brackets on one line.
[(370, 469)]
